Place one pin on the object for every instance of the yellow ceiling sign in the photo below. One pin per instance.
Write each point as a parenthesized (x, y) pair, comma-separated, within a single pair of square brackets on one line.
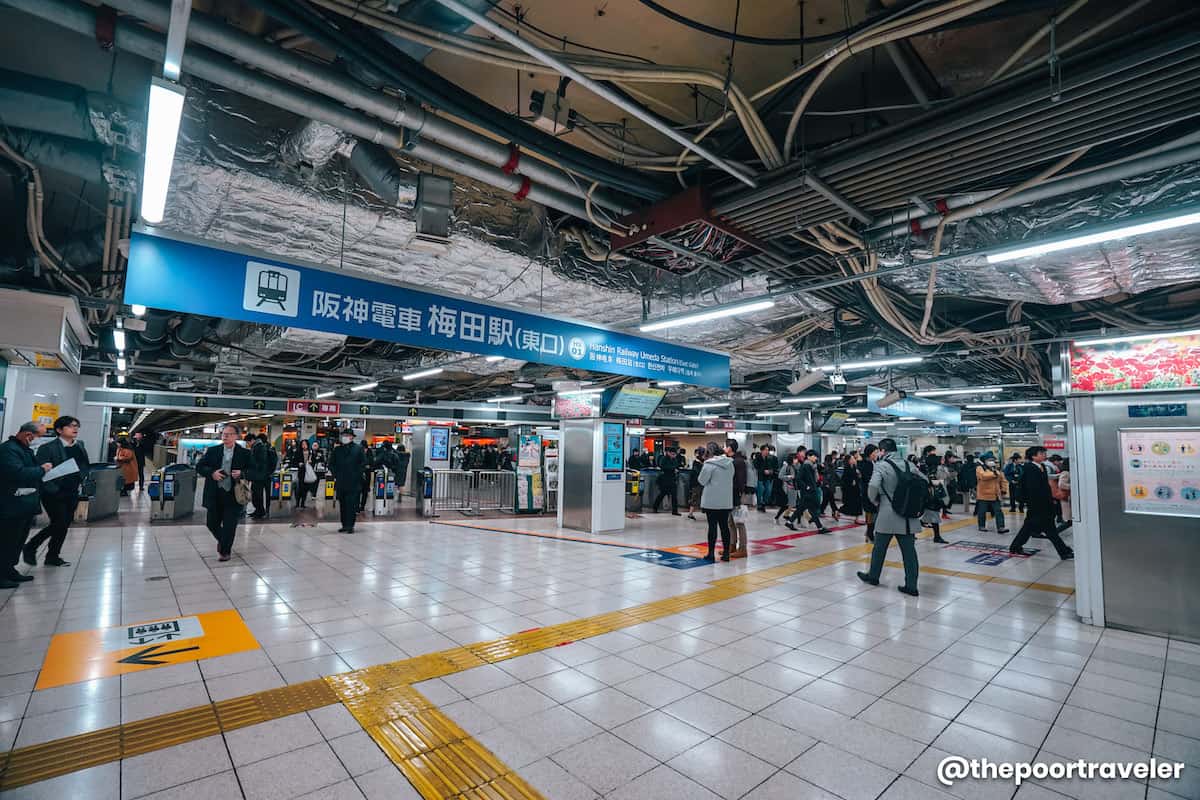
[(87, 655)]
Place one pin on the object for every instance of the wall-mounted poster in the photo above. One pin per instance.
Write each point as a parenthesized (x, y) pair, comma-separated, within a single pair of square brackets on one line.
[(1156, 364), (1161, 471), (439, 444), (614, 447)]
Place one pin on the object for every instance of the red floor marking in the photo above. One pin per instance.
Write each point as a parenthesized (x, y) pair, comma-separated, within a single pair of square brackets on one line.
[(531, 630)]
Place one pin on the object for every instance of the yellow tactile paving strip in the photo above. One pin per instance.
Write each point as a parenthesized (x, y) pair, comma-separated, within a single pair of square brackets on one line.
[(440, 759)]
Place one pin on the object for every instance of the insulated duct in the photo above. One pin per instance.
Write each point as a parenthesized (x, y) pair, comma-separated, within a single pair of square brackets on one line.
[(62, 109), (84, 160), (383, 175)]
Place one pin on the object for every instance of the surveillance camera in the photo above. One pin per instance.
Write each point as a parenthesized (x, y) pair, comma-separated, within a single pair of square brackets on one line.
[(891, 398)]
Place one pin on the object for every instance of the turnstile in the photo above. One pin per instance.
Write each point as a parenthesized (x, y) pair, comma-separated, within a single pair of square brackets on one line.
[(101, 493), (384, 491), (172, 492), (279, 490)]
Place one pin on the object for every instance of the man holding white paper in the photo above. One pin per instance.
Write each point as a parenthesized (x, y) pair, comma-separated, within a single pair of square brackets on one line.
[(60, 494)]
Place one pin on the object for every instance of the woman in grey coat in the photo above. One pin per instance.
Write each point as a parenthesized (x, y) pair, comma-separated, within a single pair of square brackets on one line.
[(888, 523), (716, 501)]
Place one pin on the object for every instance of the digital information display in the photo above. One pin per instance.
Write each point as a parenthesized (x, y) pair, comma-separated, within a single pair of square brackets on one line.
[(1161, 471), (614, 447), (439, 444), (635, 401)]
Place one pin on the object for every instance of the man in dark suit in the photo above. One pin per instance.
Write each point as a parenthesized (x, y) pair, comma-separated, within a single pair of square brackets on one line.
[(1039, 506), (348, 463), (668, 466), (222, 466), (59, 497), (260, 452), (20, 479)]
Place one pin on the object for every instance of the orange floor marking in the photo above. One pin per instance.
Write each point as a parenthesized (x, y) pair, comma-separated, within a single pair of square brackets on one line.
[(103, 652)]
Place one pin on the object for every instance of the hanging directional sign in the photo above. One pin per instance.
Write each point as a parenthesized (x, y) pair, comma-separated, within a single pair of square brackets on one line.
[(260, 405), (139, 399), (201, 402), (86, 655), (179, 274), (364, 409)]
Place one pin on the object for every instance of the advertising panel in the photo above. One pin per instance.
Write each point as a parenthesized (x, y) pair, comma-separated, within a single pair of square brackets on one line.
[(1167, 362), (1161, 471), (614, 447)]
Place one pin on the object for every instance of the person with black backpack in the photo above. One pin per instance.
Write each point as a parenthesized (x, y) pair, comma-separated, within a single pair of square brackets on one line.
[(902, 492)]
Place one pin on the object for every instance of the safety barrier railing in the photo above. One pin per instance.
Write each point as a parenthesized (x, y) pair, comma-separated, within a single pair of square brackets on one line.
[(495, 490), (451, 491), (472, 492)]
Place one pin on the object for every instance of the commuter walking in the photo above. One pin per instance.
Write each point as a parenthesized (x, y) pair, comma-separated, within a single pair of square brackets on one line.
[(930, 460), (1039, 506), (224, 467), (787, 475), (140, 454), (1064, 494), (766, 469), (947, 473), (935, 503), (403, 459), (368, 475), (60, 497), (20, 479), (717, 499), (347, 465), (967, 481), (303, 460), (989, 493), (851, 488), (126, 460), (827, 473), (808, 492), (262, 470), (741, 472), (668, 466), (866, 468), (1012, 474), (900, 492)]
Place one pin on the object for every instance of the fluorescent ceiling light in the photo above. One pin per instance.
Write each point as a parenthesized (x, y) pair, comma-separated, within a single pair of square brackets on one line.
[(121, 363), (121, 379), (577, 392), (362, 387), (857, 410), (730, 310), (1136, 337), (778, 413), (494, 359), (1015, 404), (162, 132), (968, 422), (874, 425), (664, 384), (705, 405), (879, 362), (330, 393), (964, 390), (1035, 414), (119, 339), (510, 399), (1121, 232), (425, 373), (816, 398), (138, 310), (703, 416)]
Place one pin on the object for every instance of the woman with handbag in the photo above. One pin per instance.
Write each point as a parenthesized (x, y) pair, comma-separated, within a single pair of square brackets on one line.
[(851, 488), (127, 461), (303, 461), (227, 469), (787, 474)]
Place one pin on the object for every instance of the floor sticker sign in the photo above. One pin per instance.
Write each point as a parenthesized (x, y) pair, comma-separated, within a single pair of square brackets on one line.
[(100, 653)]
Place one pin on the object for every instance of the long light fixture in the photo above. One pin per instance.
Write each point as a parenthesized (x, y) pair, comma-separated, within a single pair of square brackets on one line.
[(162, 132), (322, 395), (425, 373), (665, 384), (1104, 235), (731, 310), (121, 379), (705, 405), (703, 416), (818, 398), (874, 424), (121, 363), (137, 309), (509, 399), (1014, 404), (879, 362), (494, 359), (1136, 337), (967, 390), (119, 339), (778, 413), (579, 392), (362, 387), (1034, 414)]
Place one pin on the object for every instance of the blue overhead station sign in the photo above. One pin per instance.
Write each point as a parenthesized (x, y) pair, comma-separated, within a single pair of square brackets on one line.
[(918, 407), (175, 274)]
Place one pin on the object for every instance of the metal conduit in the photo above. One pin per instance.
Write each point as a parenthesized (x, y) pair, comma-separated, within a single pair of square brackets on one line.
[(392, 110), (219, 70)]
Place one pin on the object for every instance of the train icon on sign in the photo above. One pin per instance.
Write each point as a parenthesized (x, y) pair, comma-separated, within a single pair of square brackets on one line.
[(271, 289)]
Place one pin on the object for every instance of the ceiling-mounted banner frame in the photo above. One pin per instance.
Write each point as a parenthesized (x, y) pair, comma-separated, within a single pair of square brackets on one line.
[(175, 273)]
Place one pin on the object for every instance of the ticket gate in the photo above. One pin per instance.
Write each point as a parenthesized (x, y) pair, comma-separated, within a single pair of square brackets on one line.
[(101, 493), (172, 492), (280, 489), (633, 490), (384, 491)]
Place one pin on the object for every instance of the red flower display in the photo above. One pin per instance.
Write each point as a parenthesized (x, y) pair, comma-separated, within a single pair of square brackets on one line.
[(1170, 362)]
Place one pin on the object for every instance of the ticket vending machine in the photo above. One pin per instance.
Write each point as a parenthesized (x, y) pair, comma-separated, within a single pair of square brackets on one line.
[(430, 449), (592, 457)]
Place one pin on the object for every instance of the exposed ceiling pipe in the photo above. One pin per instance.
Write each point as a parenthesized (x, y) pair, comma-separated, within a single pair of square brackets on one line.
[(218, 70), (63, 109), (599, 89), (383, 175), (344, 88), (1050, 189), (88, 161)]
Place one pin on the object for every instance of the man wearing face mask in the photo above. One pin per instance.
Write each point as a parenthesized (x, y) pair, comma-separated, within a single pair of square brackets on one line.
[(347, 465), (989, 493), (20, 479)]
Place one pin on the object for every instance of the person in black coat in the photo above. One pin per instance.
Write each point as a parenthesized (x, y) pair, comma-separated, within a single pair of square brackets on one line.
[(59, 497), (265, 461), (668, 466), (347, 464), (20, 479), (303, 458), (222, 466), (1039, 505), (866, 469), (403, 459), (808, 492)]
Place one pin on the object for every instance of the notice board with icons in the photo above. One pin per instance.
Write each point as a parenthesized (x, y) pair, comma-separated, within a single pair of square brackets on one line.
[(1160, 470)]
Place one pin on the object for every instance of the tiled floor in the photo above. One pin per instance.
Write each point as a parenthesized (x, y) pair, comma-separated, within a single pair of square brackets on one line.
[(817, 687)]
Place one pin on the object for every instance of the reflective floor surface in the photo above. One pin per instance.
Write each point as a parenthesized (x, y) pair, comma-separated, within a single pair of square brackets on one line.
[(814, 686)]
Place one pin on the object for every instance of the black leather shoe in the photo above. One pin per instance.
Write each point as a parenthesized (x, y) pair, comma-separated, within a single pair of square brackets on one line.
[(865, 578), (6, 584), (18, 577), (1068, 557), (908, 591), (1020, 551), (56, 562)]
